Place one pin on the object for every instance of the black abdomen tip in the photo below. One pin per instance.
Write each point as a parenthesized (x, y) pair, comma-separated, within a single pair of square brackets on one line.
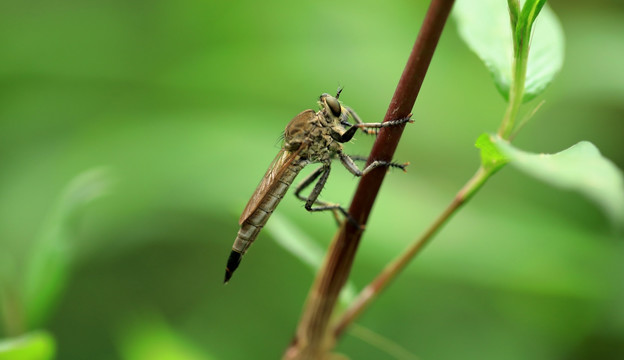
[(232, 263)]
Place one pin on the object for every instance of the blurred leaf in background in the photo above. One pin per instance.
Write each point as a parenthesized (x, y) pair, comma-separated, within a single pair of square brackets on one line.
[(186, 101), (48, 270), (31, 346), (152, 339)]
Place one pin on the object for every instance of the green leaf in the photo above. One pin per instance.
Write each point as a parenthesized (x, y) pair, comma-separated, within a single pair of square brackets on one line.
[(49, 265), (37, 345), (492, 159), (580, 168), (485, 27), (292, 239)]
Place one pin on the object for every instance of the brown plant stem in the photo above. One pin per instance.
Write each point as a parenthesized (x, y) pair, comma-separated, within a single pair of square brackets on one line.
[(312, 339)]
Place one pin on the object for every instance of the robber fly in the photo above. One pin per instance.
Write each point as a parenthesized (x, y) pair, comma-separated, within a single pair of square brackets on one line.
[(311, 137)]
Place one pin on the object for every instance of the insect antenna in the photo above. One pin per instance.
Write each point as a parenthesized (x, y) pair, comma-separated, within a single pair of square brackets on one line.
[(340, 88)]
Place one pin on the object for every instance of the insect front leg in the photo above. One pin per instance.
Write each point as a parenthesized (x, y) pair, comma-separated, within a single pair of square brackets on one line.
[(348, 162), (358, 121), (358, 158), (312, 199), (368, 128), (373, 128)]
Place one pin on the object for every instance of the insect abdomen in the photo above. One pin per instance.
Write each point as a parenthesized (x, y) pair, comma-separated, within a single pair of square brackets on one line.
[(251, 227)]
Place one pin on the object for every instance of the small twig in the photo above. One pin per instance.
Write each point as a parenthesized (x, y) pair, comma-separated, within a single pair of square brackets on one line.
[(312, 340), (525, 120), (381, 342)]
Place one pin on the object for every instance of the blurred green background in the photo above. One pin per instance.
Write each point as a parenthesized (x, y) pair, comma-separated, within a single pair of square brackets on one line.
[(183, 102)]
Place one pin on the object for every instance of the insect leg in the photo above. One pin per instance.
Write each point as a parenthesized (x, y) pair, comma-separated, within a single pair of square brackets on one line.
[(323, 206), (348, 162), (358, 158), (372, 128), (359, 121), (368, 128), (306, 182)]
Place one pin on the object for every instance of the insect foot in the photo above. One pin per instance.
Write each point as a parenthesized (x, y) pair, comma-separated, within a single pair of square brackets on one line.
[(404, 120), (403, 166)]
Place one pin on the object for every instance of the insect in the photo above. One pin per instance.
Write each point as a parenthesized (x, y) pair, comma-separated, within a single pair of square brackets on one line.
[(310, 137)]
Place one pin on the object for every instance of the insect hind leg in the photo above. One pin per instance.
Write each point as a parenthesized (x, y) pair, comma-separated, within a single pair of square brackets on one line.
[(312, 199)]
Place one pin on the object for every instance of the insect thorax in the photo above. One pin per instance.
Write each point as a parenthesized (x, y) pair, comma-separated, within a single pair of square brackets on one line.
[(310, 133), (322, 146)]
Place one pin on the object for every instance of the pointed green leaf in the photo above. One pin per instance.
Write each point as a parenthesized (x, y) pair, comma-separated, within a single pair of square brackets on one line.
[(580, 168), (37, 345), (514, 12), (485, 27), (528, 15), (48, 267)]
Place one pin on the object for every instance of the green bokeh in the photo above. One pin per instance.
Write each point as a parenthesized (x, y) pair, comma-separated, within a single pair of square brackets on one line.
[(184, 101)]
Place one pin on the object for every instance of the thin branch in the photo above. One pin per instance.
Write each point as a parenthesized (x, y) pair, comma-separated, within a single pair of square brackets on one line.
[(312, 339)]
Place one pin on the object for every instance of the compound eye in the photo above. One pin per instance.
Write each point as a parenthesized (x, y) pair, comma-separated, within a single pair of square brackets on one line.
[(334, 105)]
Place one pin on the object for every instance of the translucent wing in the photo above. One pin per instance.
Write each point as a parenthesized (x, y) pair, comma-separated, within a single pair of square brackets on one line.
[(281, 162)]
